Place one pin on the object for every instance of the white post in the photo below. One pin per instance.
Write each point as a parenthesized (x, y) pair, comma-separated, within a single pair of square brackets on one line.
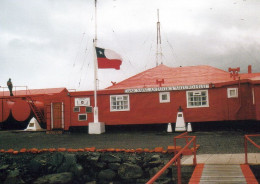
[(95, 127)]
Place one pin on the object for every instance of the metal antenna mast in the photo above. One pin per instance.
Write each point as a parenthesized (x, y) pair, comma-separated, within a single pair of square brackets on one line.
[(159, 47)]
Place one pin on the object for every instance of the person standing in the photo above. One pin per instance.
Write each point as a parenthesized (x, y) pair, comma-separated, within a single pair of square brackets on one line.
[(10, 86)]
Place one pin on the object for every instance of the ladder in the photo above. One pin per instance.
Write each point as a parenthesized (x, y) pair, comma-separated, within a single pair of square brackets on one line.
[(36, 111)]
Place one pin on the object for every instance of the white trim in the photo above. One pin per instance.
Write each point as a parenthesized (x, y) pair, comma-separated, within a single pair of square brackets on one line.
[(119, 96), (170, 88), (84, 119), (51, 116), (198, 92), (253, 95), (229, 94), (168, 97), (62, 115)]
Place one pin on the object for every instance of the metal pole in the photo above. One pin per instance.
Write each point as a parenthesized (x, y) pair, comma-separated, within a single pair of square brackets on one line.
[(179, 170), (95, 68), (195, 152), (246, 150)]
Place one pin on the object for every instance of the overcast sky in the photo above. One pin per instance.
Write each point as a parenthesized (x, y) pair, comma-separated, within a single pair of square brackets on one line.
[(48, 43)]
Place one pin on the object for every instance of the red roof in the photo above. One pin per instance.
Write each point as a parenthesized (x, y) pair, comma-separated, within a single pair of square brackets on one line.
[(34, 92), (178, 76)]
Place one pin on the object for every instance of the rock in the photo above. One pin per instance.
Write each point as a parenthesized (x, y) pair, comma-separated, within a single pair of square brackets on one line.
[(3, 167), (130, 171), (57, 159), (61, 178), (94, 156), (110, 158), (107, 174), (69, 165), (155, 160), (114, 166), (155, 170), (69, 161), (77, 170), (100, 165), (164, 181), (14, 177), (91, 182), (37, 164)]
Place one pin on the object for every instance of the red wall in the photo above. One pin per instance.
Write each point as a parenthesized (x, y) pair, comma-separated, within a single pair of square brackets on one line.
[(145, 108), (257, 101)]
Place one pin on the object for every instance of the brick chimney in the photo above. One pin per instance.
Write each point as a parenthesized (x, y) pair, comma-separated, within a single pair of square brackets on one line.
[(249, 68)]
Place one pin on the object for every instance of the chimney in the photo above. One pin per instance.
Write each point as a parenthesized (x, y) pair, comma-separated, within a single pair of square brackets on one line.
[(249, 68)]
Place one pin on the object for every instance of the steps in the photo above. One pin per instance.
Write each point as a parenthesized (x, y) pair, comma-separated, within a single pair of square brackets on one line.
[(222, 174), (37, 112)]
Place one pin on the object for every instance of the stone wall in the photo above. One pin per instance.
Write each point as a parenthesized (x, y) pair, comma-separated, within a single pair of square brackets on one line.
[(84, 167)]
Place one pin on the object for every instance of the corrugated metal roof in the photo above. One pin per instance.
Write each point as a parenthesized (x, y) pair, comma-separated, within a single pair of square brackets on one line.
[(178, 76), (34, 92)]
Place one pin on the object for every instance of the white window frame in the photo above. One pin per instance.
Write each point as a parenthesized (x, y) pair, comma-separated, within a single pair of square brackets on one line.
[(118, 97), (76, 107), (196, 93), (83, 119), (232, 96), (168, 97), (253, 95)]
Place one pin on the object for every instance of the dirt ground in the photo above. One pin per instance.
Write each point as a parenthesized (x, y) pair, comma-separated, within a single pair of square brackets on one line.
[(212, 138)]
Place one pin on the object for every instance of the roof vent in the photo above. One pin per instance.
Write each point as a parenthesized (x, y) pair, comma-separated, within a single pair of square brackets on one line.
[(249, 68)]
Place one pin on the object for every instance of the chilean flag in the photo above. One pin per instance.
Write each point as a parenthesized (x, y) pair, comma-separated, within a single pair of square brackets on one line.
[(108, 59)]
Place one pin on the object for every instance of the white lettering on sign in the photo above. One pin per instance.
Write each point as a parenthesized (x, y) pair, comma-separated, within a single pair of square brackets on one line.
[(82, 101), (174, 88)]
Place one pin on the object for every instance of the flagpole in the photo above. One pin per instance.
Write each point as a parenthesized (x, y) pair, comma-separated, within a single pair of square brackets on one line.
[(95, 68), (95, 127)]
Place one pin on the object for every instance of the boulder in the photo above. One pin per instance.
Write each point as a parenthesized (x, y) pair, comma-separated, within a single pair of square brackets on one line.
[(57, 159), (70, 165), (107, 174), (130, 171), (14, 177), (155, 160), (61, 178), (69, 161), (37, 164), (110, 158), (114, 166), (94, 156)]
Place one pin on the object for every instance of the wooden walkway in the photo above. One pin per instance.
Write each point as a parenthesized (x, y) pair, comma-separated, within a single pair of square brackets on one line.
[(222, 174)]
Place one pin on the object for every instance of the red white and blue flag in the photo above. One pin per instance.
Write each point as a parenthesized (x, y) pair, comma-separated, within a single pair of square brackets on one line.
[(108, 59)]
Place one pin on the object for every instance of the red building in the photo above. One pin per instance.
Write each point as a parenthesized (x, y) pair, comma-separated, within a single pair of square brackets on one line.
[(154, 96)]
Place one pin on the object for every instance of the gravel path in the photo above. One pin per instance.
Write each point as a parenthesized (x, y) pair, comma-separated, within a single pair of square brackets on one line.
[(219, 141)]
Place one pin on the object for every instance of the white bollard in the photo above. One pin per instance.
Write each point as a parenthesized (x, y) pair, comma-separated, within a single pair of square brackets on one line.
[(169, 127), (189, 129), (180, 125)]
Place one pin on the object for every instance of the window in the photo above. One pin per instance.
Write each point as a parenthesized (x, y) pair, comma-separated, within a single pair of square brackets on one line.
[(82, 117), (119, 103), (198, 98), (164, 97), (232, 92), (89, 109), (76, 109)]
